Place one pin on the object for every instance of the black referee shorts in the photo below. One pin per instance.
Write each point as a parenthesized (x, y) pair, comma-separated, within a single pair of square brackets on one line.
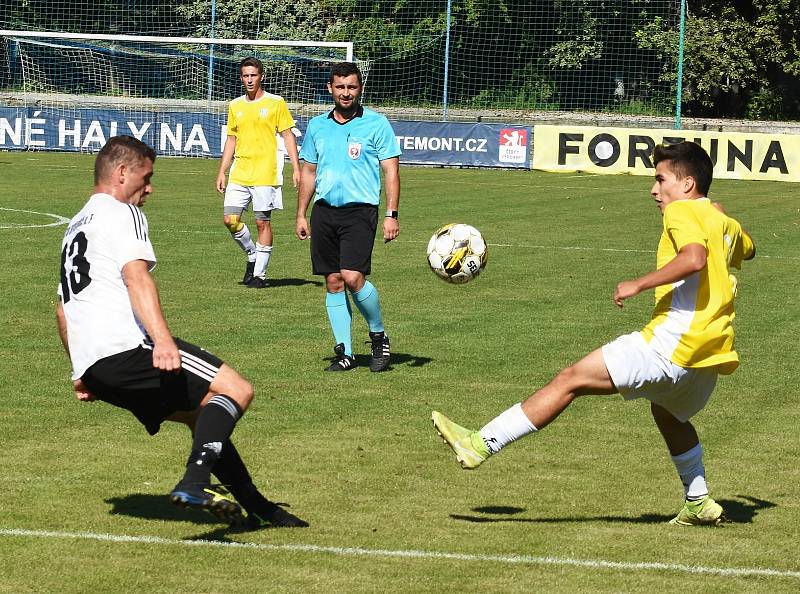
[(129, 380), (342, 238)]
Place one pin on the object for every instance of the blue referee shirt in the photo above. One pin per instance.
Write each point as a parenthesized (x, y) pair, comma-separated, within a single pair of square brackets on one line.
[(348, 156)]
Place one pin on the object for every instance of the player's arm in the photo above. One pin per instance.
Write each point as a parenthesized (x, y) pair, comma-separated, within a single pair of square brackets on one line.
[(147, 307), (225, 162), (61, 321), (291, 149), (81, 392), (749, 254), (690, 259), (308, 177), (391, 177)]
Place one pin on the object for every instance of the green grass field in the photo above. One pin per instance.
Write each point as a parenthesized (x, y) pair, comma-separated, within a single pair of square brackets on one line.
[(580, 507)]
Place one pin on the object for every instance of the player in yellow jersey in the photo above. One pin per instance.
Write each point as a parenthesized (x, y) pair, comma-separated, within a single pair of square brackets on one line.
[(674, 361), (254, 119)]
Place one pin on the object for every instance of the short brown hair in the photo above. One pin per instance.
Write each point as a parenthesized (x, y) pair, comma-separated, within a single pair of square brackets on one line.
[(687, 159), (346, 69), (252, 61), (121, 150)]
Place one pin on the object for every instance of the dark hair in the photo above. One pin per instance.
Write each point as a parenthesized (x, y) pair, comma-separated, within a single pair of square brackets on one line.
[(687, 159), (252, 61), (121, 150), (346, 69)]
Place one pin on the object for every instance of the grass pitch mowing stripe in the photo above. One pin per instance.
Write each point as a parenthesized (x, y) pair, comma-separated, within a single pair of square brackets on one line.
[(736, 572)]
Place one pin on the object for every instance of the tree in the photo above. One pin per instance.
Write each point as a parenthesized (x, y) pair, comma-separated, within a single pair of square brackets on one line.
[(740, 58)]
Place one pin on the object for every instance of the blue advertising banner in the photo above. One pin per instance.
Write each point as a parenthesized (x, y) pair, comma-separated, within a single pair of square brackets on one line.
[(203, 134), (472, 145)]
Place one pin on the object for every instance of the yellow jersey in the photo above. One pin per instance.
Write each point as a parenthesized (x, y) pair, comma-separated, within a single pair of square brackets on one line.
[(692, 319), (254, 124)]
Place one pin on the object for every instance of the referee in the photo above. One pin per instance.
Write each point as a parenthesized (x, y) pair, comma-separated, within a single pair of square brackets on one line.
[(344, 152)]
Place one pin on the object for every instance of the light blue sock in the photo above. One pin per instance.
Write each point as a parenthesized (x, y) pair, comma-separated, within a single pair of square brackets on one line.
[(367, 302), (341, 316)]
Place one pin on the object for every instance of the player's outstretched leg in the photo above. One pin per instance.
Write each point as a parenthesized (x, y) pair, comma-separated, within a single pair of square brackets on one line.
[(214, 425), (470, 449), (261, 512)]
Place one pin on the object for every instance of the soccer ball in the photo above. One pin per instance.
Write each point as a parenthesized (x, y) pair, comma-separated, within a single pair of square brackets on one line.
[(457, 253)]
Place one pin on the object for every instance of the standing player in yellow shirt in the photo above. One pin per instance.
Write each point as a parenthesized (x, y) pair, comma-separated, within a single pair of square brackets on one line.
[(674, 361), (253, 121)]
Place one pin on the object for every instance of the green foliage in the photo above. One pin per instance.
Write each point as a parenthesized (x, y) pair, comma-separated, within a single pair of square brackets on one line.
[(739, 60)]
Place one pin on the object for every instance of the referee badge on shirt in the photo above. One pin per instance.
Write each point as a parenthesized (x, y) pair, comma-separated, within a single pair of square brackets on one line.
[(354, 150)]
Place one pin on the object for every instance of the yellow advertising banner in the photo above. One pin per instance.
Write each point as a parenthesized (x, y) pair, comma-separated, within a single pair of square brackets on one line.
[(736, 155)]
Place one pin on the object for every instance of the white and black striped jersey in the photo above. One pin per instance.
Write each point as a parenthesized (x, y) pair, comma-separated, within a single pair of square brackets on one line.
[(104, 236)]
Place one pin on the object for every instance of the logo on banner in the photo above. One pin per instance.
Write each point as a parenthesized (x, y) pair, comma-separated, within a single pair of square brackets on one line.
[(354, 150), (513, 145)]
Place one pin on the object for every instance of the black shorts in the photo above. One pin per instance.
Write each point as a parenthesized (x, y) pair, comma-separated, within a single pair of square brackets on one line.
[(342, 238), (130, 381)]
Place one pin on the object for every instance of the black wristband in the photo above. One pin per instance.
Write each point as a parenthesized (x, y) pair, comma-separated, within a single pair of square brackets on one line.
[(391, 213)]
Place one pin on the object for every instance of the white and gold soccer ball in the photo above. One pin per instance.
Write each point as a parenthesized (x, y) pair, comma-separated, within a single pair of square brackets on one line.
[(457, 253)]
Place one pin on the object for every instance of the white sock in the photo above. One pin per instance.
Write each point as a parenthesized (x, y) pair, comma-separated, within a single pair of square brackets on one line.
[(509, 425), (693, 475), (263, 253), (242, 237)]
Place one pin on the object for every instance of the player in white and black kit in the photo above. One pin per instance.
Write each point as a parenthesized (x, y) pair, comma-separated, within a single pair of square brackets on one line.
[(122, 352)]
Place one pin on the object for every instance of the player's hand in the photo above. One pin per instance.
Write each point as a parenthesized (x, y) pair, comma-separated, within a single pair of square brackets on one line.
[(221, 183), (301, 228), (624, 290), (166, 356), (296, 179), (82, 393), (391, 229)]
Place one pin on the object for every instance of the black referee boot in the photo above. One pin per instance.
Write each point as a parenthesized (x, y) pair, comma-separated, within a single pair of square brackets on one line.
[(380, 351), (342, 362)]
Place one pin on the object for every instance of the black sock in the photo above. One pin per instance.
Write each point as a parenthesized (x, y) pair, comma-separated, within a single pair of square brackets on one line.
[(231, 472), (214, 426)]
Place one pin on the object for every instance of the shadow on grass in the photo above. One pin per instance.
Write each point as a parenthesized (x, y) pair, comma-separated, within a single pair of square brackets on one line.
[(736, 512), (397, 359), (157, 507), (291, 282)]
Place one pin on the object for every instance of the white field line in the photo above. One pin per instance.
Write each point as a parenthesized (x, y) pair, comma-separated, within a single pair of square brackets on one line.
[(59, 220), (735, 572)]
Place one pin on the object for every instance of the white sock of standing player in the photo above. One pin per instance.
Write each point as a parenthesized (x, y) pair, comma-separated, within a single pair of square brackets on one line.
[(245, 241), (263, 254)]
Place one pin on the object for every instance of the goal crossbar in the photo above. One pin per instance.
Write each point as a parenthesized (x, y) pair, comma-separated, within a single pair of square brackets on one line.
[(346, 45)]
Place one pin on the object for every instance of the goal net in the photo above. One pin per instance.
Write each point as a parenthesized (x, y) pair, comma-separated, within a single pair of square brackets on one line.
[(146, 78)]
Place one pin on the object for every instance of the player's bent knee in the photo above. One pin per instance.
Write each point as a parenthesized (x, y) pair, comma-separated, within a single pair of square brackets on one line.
[(233, 385), (233, 223)]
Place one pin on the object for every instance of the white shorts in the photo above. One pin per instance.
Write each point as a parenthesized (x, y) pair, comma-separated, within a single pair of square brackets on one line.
[(264, 198), (638, 371)]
